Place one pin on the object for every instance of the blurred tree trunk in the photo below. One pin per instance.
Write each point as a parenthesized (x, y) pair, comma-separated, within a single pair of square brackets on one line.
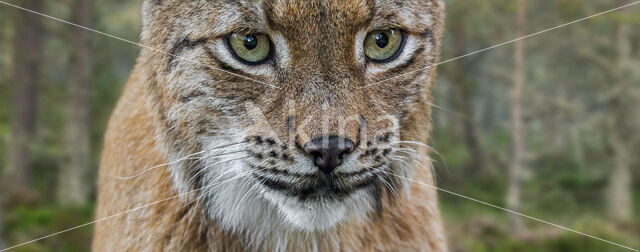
[(27, 58), (515, 166), (619, 196), (464, 96), (73, 188), (1, 224)]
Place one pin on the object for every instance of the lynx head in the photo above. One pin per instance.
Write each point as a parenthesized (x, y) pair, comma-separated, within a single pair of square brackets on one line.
[(289, 113)]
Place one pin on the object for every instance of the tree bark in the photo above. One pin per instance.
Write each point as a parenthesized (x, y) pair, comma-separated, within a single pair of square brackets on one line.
[(515, 167), (27, 58), (619, 196), (1, 224), (464, 89), (73, 186)]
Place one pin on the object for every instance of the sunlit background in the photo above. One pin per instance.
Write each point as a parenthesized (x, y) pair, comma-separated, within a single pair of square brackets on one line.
[(546, 126)]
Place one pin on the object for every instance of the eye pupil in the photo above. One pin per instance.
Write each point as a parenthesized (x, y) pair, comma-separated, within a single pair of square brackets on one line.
[(382, 46), (250, 42), (382, 40)]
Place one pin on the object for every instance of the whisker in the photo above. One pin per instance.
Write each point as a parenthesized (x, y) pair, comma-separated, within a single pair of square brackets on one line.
[(214, 164), (157, 166), (447, 110), (387, 185), (444, 161), (405, 149), (190, 218), (207, 193), (235, 209), (417, 143), (227, 145), (400, 160), (188, 157), (433, 170)]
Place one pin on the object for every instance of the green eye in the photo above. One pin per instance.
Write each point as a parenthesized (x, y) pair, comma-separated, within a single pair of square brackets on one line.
[(383, 45), (252, 48)]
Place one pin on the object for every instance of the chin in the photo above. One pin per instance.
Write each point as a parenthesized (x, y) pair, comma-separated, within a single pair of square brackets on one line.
[(323, 212)]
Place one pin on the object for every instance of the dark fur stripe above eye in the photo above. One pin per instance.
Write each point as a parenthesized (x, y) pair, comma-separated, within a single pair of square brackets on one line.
[(185, 43)]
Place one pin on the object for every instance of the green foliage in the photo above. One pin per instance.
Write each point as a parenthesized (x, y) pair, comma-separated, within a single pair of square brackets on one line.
[(27, 223)]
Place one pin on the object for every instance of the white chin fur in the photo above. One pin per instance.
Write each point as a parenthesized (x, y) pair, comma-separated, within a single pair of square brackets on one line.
[(312, 216), (321, 215)]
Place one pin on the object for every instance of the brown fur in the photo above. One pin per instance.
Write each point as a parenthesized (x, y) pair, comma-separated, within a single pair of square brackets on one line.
[(145, 127)]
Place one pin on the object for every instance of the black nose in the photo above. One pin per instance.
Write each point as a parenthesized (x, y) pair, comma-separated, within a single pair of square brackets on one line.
[(328, 151)]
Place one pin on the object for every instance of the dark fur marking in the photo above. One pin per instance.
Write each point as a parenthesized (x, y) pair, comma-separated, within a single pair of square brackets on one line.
[(270, 141), (185, 43), (292, 124), (376, 192), (391, 188), (299, 146), (275, 171), (426, 33), (361, 126), (256, 154), (193, 167), (306, 192), (389, 17), (273, 184), (403, 67), (193, 94), (387, 137)]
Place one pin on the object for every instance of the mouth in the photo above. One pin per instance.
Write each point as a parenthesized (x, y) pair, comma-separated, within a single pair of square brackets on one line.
[(317, 186)]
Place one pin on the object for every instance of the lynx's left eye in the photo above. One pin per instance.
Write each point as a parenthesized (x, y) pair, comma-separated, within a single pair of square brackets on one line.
[(383, 45), (251, 48)]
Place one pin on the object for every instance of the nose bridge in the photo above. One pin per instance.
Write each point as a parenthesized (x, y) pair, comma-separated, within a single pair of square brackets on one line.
[(327, 105), (325, 84), (324, 120), (319, 48)]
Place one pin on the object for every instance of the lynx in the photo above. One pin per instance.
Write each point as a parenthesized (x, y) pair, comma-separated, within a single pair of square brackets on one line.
[(275, 126)]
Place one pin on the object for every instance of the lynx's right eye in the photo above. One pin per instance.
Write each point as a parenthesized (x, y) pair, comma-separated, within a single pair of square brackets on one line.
[(383, 45), (251, 48)]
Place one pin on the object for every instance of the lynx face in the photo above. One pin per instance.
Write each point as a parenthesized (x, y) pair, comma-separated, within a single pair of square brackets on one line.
[(274, 102)]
